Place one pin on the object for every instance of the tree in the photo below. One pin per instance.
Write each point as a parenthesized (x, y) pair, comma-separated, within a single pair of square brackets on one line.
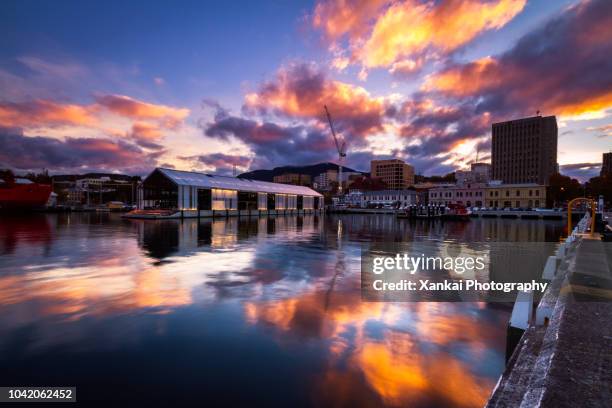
[(42, 178), (601, 185), (561, 189), (7, 175), (447, 178)]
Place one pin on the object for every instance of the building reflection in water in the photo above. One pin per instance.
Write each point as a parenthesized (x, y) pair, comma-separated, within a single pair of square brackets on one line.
[(291, 281)]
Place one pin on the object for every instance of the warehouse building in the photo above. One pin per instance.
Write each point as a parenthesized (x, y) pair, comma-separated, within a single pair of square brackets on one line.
[(167, 193)]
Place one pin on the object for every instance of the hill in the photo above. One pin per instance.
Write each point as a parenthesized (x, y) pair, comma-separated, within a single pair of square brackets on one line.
[(312, 170)]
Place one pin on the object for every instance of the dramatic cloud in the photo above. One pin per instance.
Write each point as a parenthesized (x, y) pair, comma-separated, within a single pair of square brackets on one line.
[(271, 143), (401, 34), (146, 135), (301, 90), (221, 163), (148, 121), (436, 135), (23, 152), (46, 113), (123, 105), (563, 68), (145, 131)]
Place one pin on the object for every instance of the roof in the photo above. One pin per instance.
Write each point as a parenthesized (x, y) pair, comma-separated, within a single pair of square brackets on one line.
[(515, 185), (191, 178), (21, 180), (389, 192)]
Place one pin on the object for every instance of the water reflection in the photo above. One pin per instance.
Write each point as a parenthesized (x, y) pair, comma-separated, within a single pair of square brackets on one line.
[(208, 300)]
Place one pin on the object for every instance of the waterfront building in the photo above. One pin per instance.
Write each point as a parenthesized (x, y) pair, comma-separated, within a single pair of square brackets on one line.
[(529, 195), (296, 179), (95, 188), (606, 164), (366, 199), (396, 173), (525, 150), (468, 194), (198, 194)]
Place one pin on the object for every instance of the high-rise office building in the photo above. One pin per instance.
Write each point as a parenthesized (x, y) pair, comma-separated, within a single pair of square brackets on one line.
[(606, 165), (525, 150), (394, 172)]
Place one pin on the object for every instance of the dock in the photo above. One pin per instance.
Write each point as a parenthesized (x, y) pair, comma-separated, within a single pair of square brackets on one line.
[(514, 214), (564, 357)]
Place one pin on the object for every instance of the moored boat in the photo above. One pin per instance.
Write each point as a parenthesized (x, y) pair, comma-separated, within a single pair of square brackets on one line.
[(23, 194), (456, 212)]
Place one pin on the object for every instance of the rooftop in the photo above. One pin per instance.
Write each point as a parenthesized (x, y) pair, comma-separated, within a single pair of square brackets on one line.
[(191, 178)]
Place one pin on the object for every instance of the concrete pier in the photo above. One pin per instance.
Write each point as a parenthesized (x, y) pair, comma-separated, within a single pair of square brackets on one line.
[(564, 358)]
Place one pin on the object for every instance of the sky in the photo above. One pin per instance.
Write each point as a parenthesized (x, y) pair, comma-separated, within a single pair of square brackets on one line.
[(216, 86)]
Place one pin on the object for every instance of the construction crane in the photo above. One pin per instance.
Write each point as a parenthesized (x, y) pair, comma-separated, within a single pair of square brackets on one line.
[(340, 147)]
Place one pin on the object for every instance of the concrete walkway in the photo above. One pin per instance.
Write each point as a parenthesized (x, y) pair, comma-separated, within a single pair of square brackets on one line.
[(568, 362)]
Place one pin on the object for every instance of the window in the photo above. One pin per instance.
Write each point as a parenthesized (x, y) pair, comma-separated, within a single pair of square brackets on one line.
[(224, 199)]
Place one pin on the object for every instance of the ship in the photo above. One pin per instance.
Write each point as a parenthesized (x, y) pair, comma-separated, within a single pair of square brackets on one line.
[(23, 194)]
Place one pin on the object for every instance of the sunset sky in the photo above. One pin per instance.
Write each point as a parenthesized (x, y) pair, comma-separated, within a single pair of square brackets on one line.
[(127, 86)]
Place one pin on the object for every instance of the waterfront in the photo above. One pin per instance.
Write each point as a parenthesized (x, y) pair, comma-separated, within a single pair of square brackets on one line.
[(244, 312)]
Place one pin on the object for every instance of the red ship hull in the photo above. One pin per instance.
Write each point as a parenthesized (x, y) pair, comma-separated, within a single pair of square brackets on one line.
[(24, 196)]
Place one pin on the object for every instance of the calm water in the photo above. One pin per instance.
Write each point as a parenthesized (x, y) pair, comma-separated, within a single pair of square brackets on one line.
[(239, 313)]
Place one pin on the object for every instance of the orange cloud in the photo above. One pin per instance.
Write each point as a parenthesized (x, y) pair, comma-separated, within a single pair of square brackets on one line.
[(122, 105), (401, 374), (482, 74), (300, 91), (47, 113), (562, 68), (395, 367), (339, 17), (146, 131), (404, 32)]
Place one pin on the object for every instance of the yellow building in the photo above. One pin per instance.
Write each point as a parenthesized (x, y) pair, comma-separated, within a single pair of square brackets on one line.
[(397, 174), (515, 196)]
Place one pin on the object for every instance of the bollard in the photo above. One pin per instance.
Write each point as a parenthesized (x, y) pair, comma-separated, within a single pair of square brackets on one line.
[(519, 321)]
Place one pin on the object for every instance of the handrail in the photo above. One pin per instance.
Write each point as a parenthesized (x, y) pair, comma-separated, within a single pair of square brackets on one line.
[(593, 206)]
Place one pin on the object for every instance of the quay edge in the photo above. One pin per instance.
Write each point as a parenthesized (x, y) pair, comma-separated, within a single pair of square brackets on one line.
[(563, 357)]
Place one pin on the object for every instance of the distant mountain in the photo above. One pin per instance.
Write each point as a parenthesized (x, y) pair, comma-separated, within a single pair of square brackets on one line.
[(312, 170), (75, 177)]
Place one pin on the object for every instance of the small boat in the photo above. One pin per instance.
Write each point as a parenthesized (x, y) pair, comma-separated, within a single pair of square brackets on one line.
[(456, 212)]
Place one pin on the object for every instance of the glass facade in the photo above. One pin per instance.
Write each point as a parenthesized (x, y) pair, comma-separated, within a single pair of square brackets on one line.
[(224, 199)]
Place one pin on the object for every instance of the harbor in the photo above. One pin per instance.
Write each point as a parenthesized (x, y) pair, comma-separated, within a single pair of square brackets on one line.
[(324, 203), (146, 299)]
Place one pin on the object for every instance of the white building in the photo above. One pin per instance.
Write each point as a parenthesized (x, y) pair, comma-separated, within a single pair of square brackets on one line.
[(190, 194), (367, 199), (468, 194)]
